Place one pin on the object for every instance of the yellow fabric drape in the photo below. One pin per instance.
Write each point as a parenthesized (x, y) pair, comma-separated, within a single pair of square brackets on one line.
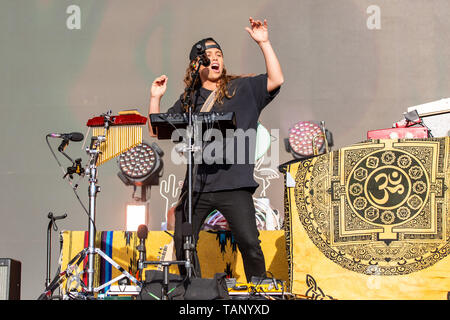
[(217, 253), (371, 221)]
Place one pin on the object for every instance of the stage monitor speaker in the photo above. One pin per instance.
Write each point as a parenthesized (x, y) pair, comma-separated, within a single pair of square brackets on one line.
[(10, 274)]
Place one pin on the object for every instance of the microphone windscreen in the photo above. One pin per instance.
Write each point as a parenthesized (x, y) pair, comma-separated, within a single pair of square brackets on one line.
[(76, 136), (142, 231), (206, 61)]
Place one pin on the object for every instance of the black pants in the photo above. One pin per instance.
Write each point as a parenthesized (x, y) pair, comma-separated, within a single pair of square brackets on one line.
[(238, 209)]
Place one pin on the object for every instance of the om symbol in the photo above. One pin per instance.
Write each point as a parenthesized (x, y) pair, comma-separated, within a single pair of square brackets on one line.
[(387, 187)]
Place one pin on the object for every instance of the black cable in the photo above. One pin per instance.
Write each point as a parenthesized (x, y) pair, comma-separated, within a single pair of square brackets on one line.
[(182, 283), (274, 281), (54, 155), (85, 210)]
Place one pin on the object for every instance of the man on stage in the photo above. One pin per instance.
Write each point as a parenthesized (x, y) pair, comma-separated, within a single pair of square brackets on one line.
[(227, 186)]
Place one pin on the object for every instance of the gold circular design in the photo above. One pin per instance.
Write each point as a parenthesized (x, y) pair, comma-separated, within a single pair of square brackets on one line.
[(356, 189), (360, 203), (419, 187), (415, 202), (371, 213), (415, 172), (387, 187), (403, 213), (404, 161), (388, 217), (395, 237), (388, 157)]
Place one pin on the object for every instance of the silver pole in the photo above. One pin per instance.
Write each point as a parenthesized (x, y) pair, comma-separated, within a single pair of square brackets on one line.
[(91, 246), (92, 192)]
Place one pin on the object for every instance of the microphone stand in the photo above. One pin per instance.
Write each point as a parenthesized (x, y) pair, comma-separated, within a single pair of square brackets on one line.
[(52, 223), (187, 231), (62, 147), (142, 234), (75, 168), (90, 251)]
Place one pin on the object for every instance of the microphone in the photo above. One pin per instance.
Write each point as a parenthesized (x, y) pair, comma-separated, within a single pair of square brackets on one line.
[(204, 60), (142, 233), (73, 136)]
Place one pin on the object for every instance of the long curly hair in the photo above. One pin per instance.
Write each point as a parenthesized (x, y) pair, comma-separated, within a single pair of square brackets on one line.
[(223, 88)]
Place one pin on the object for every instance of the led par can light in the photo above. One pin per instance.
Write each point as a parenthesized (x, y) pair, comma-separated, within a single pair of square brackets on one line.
[(307, 139), (139, 165)]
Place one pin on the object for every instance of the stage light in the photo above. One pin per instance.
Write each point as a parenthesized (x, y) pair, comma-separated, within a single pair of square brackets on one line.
[(307, 139), (136, 214), (140, 163), (141, 166)]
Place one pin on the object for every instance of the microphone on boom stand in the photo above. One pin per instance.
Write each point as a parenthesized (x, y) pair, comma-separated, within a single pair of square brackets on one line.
[(66, 137), (202, 58)]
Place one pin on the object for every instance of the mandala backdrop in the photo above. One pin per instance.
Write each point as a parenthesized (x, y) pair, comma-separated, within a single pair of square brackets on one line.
[(371, 221)]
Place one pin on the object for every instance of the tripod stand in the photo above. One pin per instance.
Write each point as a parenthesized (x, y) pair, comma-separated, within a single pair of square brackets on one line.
[(93, 189), (94, 152)]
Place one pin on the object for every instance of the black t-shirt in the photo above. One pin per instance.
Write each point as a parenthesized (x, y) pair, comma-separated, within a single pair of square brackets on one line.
[(250, 98)]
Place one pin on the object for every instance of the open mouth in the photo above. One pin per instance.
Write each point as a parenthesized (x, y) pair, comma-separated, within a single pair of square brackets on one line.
[(215, 66)]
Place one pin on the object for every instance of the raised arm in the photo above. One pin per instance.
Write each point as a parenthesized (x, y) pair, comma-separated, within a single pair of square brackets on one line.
[(259, 32), (159, 86)]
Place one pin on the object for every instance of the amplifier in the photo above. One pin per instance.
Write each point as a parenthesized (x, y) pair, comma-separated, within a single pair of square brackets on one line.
[(10, 274), (398, 133)]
